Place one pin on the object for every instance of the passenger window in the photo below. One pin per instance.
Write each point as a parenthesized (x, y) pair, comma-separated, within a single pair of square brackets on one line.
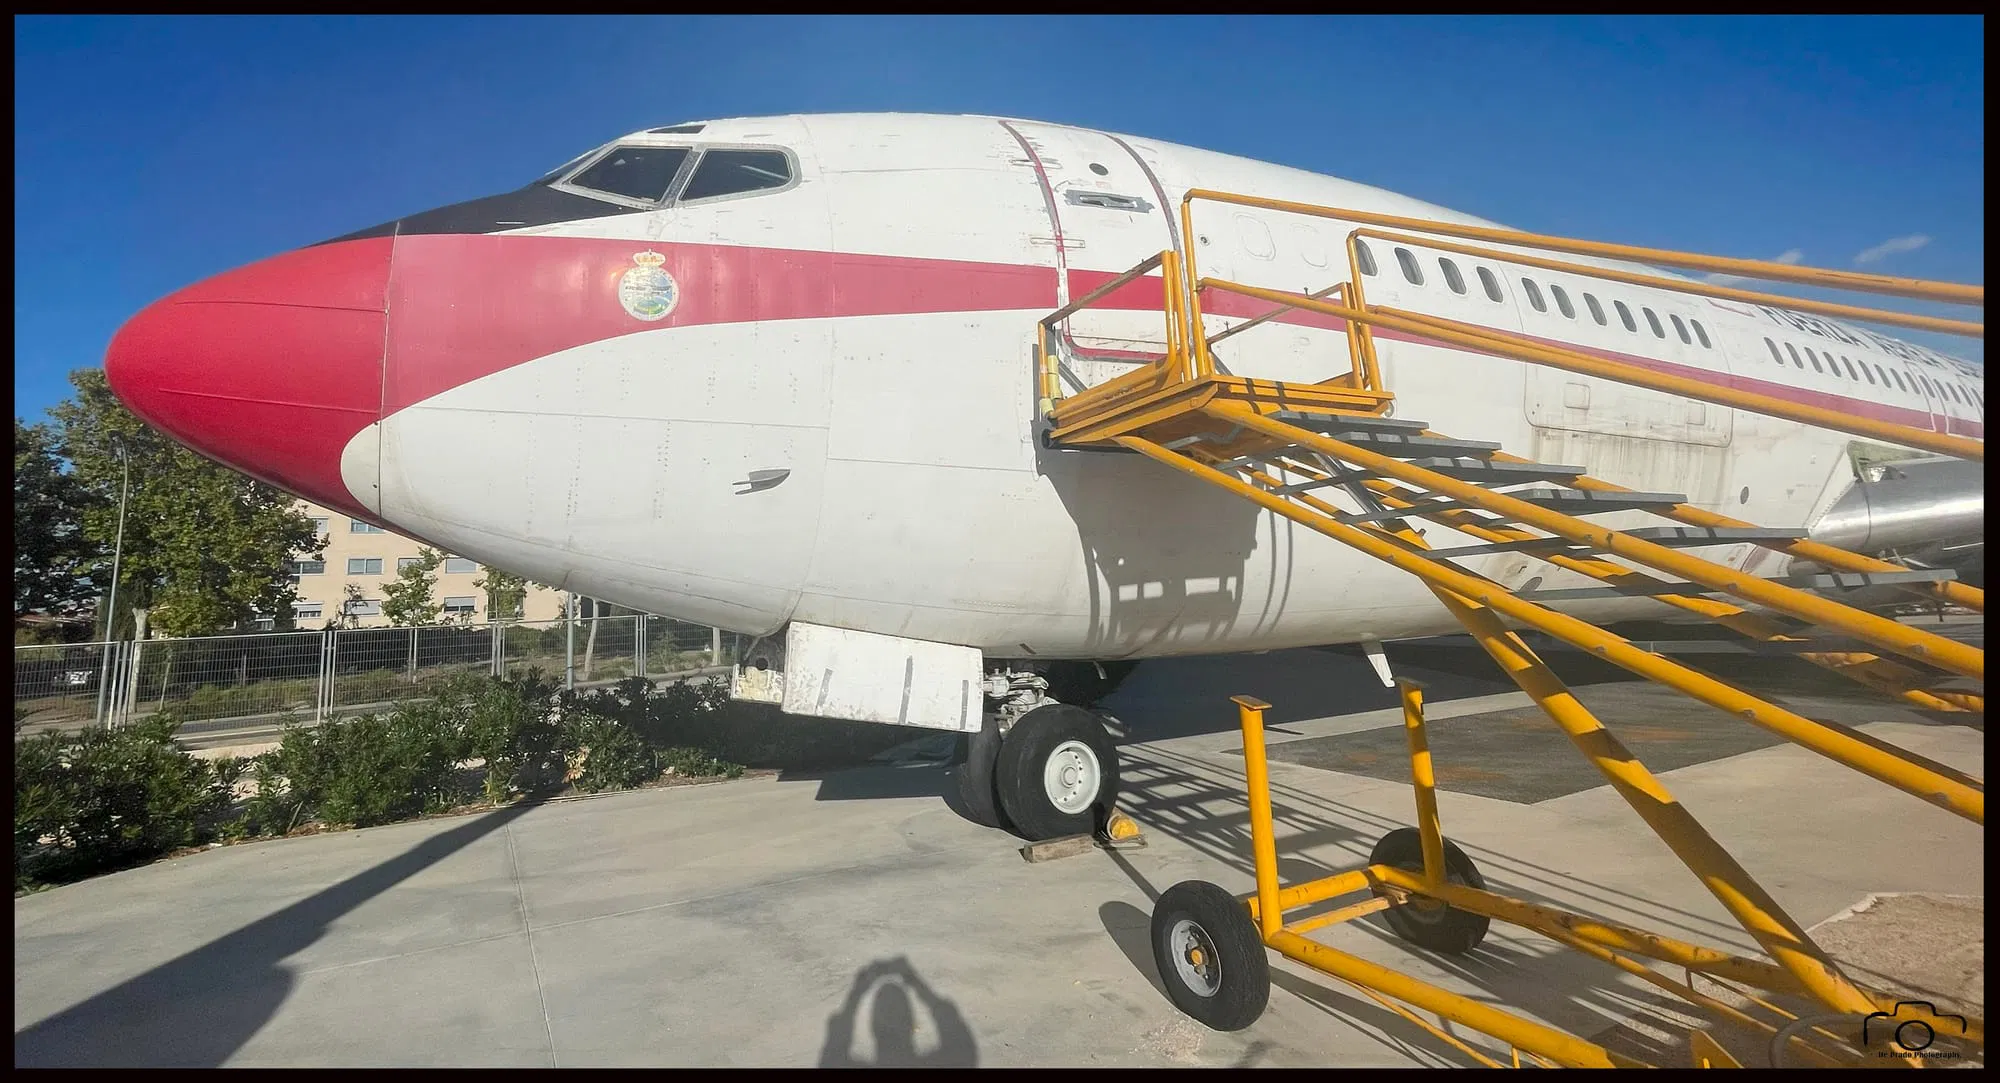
[(1898, 374), (1865, 374), (1851, 374), (1701, 334), (1680, 329), (642, 173), (1562, 301), (1880, 371), (1814, 358), (734, 172), (1491, 285), (1775, 355), (1654, 322), (1625, 316), (1596, 310), (1412, 273), (1365, 258), (1451, 276), (1953, 388), (1534, 295), (1796, 363)]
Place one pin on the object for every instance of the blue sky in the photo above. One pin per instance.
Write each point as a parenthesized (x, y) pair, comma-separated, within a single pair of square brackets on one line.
[(150, 153)]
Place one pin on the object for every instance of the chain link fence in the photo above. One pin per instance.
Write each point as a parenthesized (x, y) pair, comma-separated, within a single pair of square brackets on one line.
[(274, 677)]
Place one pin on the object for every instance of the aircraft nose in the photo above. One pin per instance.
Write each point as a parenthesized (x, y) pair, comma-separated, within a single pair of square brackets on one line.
[(272, 369)]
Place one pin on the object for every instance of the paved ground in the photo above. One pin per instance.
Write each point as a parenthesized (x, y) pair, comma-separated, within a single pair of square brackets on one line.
[(854, 918)]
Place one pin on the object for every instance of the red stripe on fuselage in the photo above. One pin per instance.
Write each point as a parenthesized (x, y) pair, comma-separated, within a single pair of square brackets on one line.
[(464, 306)]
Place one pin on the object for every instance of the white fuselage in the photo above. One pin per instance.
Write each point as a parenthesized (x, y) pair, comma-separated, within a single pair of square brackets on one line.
[(870, 328)]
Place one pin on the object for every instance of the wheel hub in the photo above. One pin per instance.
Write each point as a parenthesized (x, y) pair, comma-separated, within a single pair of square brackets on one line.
[(1195, 961), (1072, 777)]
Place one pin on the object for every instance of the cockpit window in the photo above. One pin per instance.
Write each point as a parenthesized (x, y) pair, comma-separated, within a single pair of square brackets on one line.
[(641, 173), (733, 172)]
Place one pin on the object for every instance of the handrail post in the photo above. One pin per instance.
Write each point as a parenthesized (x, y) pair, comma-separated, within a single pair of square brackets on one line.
[(1423, 779), (1263, 844)]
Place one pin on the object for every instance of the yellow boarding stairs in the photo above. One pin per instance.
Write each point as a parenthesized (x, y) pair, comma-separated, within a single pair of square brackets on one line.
[(1289, 447)]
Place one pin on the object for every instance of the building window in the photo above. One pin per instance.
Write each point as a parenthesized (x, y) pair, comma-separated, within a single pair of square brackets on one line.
[(359, 527), (1364, 258), (1775, 355), (1680, 329), (1701, 334), (1534, 294), (460, 605), (1412, 273), (319, 526), (1654, 322), (407, 562), (264, 624), (362, 607), (364, 565), (1796, 363), (307, 610), (1625, 316), (1491, 285), (1596, 310), (1451, 276), (308, 567), (460, 565), (1562, 301)]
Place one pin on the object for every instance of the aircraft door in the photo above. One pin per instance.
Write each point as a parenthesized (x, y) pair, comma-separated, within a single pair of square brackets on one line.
[(1111, 216)]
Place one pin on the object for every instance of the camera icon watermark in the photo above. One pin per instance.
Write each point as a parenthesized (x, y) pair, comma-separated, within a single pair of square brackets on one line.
[(1911, 1028)]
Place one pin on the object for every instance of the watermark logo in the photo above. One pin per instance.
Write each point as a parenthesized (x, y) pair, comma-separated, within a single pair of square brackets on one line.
[(1910, 1030)]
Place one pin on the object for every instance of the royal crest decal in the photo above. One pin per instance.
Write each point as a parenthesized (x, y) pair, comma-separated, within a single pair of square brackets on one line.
[(646, 290)]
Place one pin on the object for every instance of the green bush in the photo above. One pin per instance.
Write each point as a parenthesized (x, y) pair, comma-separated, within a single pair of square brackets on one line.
[(694, 763), (101, 799), (610, 756)]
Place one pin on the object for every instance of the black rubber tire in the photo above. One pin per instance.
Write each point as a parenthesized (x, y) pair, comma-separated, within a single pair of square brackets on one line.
[(1244, 981), (1025, 751), (1078, 682), (1443, 929), (973, 771)]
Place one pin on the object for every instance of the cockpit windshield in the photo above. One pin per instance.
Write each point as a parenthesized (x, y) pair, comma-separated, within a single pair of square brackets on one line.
[(633, 172), (644, 173)]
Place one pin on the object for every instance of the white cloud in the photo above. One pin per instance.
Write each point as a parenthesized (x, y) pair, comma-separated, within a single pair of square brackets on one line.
[(1892, 246), (1789, 255)]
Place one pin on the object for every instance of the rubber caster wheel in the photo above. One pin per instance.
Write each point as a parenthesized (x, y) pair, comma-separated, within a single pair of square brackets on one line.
[(1428, 923), (1058, 773), (1209, 956), (972, 771)]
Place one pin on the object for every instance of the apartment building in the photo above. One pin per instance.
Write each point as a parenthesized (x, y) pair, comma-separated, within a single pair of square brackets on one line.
[(360, 553)]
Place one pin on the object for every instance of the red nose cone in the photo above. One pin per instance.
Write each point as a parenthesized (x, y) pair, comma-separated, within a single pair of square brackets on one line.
[(271, 368)]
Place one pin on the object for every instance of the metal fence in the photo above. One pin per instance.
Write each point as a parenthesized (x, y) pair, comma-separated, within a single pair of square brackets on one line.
[(309, 676)]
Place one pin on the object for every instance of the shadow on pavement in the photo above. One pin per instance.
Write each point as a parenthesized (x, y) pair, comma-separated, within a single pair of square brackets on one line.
[(893, 1023), (197, 1010)]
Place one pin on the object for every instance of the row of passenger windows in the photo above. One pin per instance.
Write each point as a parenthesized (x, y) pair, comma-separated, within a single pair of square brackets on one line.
[(1842, 366), (1489, 284), (647, 173)]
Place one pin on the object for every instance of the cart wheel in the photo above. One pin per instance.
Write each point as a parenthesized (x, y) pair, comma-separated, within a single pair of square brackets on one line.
[(1429, 923), (1210, 956)]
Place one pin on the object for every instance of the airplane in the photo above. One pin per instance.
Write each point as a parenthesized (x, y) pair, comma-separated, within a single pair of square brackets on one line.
[(779, 375)]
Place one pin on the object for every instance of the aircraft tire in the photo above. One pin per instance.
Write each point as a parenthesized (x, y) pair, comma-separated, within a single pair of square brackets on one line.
[(973, 774), (1434, 926), (1058, 773), (1209, 956)]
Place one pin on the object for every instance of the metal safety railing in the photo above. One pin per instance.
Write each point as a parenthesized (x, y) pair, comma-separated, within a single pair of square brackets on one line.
[(313, 675)]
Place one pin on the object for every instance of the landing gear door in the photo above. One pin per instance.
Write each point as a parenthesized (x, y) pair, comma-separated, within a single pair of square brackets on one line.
[(1111, 216)]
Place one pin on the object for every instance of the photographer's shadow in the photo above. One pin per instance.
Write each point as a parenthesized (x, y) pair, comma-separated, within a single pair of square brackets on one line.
[(892, 1022)]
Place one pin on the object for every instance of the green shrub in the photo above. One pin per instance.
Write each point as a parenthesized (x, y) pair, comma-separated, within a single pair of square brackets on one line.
[(101, 799), (694, 763), (610, 756)]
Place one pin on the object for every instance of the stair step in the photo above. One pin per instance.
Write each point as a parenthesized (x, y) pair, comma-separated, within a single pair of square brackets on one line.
[(1821, 582), (1404, 445), (1487, 472), (1317, 422), (1590, 502)]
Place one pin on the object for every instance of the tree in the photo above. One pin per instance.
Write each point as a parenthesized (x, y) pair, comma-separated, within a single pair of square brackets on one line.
[(205, 547), (54, 560), (350, 603), (505, 594), (407, 602)]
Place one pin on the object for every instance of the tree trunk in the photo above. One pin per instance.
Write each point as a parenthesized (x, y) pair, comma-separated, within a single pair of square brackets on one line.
[(590, 644)]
